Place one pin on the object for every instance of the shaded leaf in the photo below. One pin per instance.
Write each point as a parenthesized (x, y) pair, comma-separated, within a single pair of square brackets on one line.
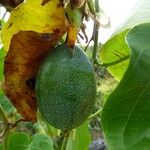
[(18, 141), (6, 104), (1, 147), (2, 57), (27, 50), (116, 48), (41, 142), (75, 16), (126, 113), (22, 141)]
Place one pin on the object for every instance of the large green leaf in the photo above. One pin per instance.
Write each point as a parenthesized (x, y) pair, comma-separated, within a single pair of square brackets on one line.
[(82, 139), (126, 114), (116, 48), (22, 141)]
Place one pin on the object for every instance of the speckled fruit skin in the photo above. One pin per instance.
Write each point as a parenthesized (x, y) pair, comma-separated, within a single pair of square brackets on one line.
[(66, 87)]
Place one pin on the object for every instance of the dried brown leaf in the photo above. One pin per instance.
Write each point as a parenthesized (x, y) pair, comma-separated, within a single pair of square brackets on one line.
[(26, 52)]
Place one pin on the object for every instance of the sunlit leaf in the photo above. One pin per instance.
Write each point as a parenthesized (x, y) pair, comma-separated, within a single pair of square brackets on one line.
[(139, 14), (82, 139), (126, 114), (1, 147), (75, 16), (116, 48), (32, 16)]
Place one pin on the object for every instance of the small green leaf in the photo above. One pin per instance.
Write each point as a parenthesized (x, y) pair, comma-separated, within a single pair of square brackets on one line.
[(126, 114), (40, 142), (75, 16), (115, 49), (6, 104), (18, 141), (2, 58), (82, 139)]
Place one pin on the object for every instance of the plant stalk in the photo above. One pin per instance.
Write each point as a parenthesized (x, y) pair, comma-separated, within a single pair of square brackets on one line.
[(95, 32)]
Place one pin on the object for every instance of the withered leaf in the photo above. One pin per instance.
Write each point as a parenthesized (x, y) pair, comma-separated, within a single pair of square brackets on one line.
[(31, 31), (27, 50), (45, 2), (31, 16)]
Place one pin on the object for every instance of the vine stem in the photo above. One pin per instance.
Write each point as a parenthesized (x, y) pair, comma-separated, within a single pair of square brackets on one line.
[(95, 32), (95, 38)]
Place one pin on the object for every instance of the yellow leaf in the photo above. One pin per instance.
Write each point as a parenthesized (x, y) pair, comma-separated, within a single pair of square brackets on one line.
[(32, 16)]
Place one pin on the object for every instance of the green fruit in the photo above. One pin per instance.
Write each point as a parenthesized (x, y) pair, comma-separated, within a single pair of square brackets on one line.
[(66, 87)]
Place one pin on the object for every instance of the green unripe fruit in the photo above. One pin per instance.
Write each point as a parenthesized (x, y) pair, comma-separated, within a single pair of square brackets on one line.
[(66, 87)]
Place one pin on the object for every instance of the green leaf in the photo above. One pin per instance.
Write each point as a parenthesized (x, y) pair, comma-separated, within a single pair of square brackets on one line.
[(2, 57), (18, 141), (40, 142), (75, 16), (1, 147), (82, 139), (6, 104), (126, 113), (22, 141), (116, 48)]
